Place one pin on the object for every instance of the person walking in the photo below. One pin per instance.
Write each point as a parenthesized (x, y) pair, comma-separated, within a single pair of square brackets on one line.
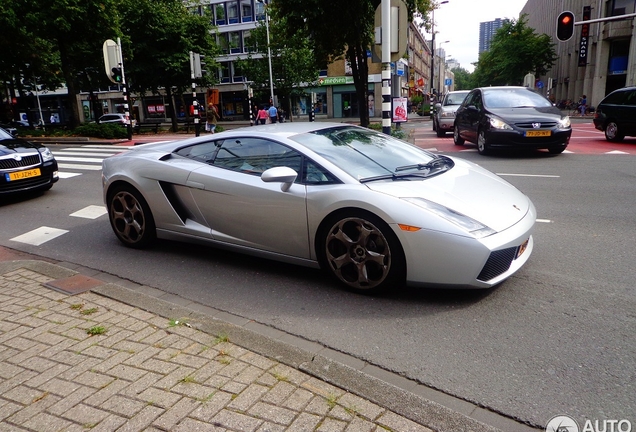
[(262, 115), (583, 105), (273, 113), (211, 117)]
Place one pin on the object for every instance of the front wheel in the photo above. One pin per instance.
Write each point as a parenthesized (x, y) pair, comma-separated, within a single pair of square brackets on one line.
[(612, 132), (456, 138), (482, 145), (557, 149), (131, 218), (362, 252)]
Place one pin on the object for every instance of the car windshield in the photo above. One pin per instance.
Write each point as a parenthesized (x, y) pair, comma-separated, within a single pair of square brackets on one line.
[(513, 98), (455, 98), (4, 134), (364, 153)]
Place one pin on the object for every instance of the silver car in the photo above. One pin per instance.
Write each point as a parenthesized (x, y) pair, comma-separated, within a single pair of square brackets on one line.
[(373, 211), (444, 116)]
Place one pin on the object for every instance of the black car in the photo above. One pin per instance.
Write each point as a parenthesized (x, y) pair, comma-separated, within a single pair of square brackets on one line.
[(510, 117), (25, 166), (616, 114)]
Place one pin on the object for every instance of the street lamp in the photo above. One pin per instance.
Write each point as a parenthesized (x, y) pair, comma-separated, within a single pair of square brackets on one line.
[(433, 42), (269, 52)]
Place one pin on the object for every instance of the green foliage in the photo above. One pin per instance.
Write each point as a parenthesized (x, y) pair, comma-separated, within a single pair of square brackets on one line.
[(515, 51), (417, 99), (395, 132), (107, 131), (463, 79)]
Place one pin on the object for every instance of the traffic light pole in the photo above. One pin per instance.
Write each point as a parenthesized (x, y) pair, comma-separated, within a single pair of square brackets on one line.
[(125, 91)]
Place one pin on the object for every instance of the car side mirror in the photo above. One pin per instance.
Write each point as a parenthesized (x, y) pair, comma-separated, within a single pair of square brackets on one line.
[(284, 175)]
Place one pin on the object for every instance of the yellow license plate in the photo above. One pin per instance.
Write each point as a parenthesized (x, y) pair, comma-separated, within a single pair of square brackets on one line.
[(538, 133), (19, 175)]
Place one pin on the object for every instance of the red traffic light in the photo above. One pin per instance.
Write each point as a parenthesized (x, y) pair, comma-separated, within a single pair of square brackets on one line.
[(565, 26)]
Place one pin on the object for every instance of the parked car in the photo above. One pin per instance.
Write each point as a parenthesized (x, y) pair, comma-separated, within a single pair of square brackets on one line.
[(115, 118), (444, 116), (511, 117), (373, 211), (25, 166), (616, 114)]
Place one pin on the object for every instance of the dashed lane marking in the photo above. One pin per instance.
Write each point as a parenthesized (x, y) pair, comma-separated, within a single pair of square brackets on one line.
[(39, 235), (90, 212)]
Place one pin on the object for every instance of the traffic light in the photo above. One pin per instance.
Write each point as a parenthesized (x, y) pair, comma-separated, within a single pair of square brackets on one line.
[(116, 74), (199, 65), (565, 26)]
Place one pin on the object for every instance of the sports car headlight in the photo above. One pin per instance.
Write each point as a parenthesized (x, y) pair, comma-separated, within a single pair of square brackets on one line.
[(470, 225), (564, 122), (46, 154), (495, 123)]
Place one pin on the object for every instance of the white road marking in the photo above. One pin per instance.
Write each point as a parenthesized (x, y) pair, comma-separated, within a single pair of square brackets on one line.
[(65, 175), (39, 236), (90, 212), (78, 159), (80, 167), (59, 153), (544, 220), (617, 152)]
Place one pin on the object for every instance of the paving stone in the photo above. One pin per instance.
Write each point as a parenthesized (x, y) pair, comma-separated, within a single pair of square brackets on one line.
[(331, 425), (236, 421), (211, 406), (272, 413), (360, 406), (248, 397), (43, 422), (169, 419)]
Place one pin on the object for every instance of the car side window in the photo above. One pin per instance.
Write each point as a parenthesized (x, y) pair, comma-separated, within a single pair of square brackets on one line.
[(630, 98), (255, 155), (203, 152), (469, 99), (314, 174)]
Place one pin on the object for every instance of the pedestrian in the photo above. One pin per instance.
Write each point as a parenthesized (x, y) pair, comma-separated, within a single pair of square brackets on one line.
[(262, 115), (273, 113), (212, 115), (254, 115), (583, 105), (281, 115), (53, 119)]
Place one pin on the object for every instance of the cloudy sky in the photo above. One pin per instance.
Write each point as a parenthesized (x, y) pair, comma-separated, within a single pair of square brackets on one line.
[(458, 22)]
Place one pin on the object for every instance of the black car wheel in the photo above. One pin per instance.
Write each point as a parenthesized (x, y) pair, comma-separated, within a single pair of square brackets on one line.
[(557, 149), (131, 218), (482, 144), (456, 138), (362, 252), (612, 132), (440, 132)]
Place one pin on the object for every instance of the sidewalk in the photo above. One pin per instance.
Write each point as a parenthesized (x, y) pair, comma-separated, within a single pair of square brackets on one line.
[(82, 350)]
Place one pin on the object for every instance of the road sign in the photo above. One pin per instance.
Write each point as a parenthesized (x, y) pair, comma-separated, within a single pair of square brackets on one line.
[(448, 81), (111, 59)]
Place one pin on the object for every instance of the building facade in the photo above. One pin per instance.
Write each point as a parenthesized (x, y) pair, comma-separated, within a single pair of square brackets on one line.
[(487, 31), (599, 58)]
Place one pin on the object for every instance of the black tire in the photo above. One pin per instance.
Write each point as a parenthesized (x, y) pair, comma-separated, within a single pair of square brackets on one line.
[(434, 125), (612, 132), (361, 252), (131, 218), (456, 138), (441, 133), (482, 144)]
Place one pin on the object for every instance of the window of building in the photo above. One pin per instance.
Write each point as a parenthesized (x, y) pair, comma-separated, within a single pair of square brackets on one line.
[(237, 76), (246, 11), (223, 43), (621, 7), (248, 43), (232, 12), (224, 72), (219, 14), (259, 11), (235, 42)]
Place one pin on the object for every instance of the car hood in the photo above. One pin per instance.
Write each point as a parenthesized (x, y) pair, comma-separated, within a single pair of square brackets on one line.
[(10, 146), (526, 114), (469, 190)]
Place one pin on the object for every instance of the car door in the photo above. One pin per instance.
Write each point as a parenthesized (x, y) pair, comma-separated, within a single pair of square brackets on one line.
[(627, 113), (243, 210), (462, 116)]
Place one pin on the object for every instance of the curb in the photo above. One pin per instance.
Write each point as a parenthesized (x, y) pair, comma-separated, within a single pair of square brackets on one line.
[(414, 401)]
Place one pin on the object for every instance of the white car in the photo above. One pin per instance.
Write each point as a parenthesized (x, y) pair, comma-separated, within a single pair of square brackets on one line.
[(373, 211)]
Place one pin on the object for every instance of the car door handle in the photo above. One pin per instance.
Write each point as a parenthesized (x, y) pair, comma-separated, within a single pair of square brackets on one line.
[(195, 185)]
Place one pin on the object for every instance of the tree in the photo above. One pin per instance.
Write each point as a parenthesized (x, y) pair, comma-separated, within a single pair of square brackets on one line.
[(157, 36), (338, 28), (515, 51), (293, 62), (463, 79)]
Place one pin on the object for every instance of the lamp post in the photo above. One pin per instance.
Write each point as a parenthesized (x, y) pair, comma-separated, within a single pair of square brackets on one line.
[(433, 43), (269, 52)]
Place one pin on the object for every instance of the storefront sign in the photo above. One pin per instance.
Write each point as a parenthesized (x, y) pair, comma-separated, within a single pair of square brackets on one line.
[(585, 34), (327, 81)]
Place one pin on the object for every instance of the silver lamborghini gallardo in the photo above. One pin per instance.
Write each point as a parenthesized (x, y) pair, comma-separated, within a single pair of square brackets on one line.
[(373, 211)]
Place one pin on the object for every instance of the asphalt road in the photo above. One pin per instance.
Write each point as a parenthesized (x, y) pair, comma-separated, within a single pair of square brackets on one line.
[(557, 338)]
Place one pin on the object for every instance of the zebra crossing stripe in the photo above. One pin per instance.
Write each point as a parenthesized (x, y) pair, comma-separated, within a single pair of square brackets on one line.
[(39, 235)]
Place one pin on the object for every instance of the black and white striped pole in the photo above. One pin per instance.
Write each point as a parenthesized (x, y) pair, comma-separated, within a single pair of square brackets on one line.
[(195, 104), (125, 91), (386, 66)]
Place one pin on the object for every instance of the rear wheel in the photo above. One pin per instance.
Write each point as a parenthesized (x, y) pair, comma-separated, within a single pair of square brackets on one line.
[(131, 218), (612, 132), (456, 138), (482, 144), (361, 252)]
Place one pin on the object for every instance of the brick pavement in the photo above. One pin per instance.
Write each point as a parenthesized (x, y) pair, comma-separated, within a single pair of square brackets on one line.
[(88, 362)]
